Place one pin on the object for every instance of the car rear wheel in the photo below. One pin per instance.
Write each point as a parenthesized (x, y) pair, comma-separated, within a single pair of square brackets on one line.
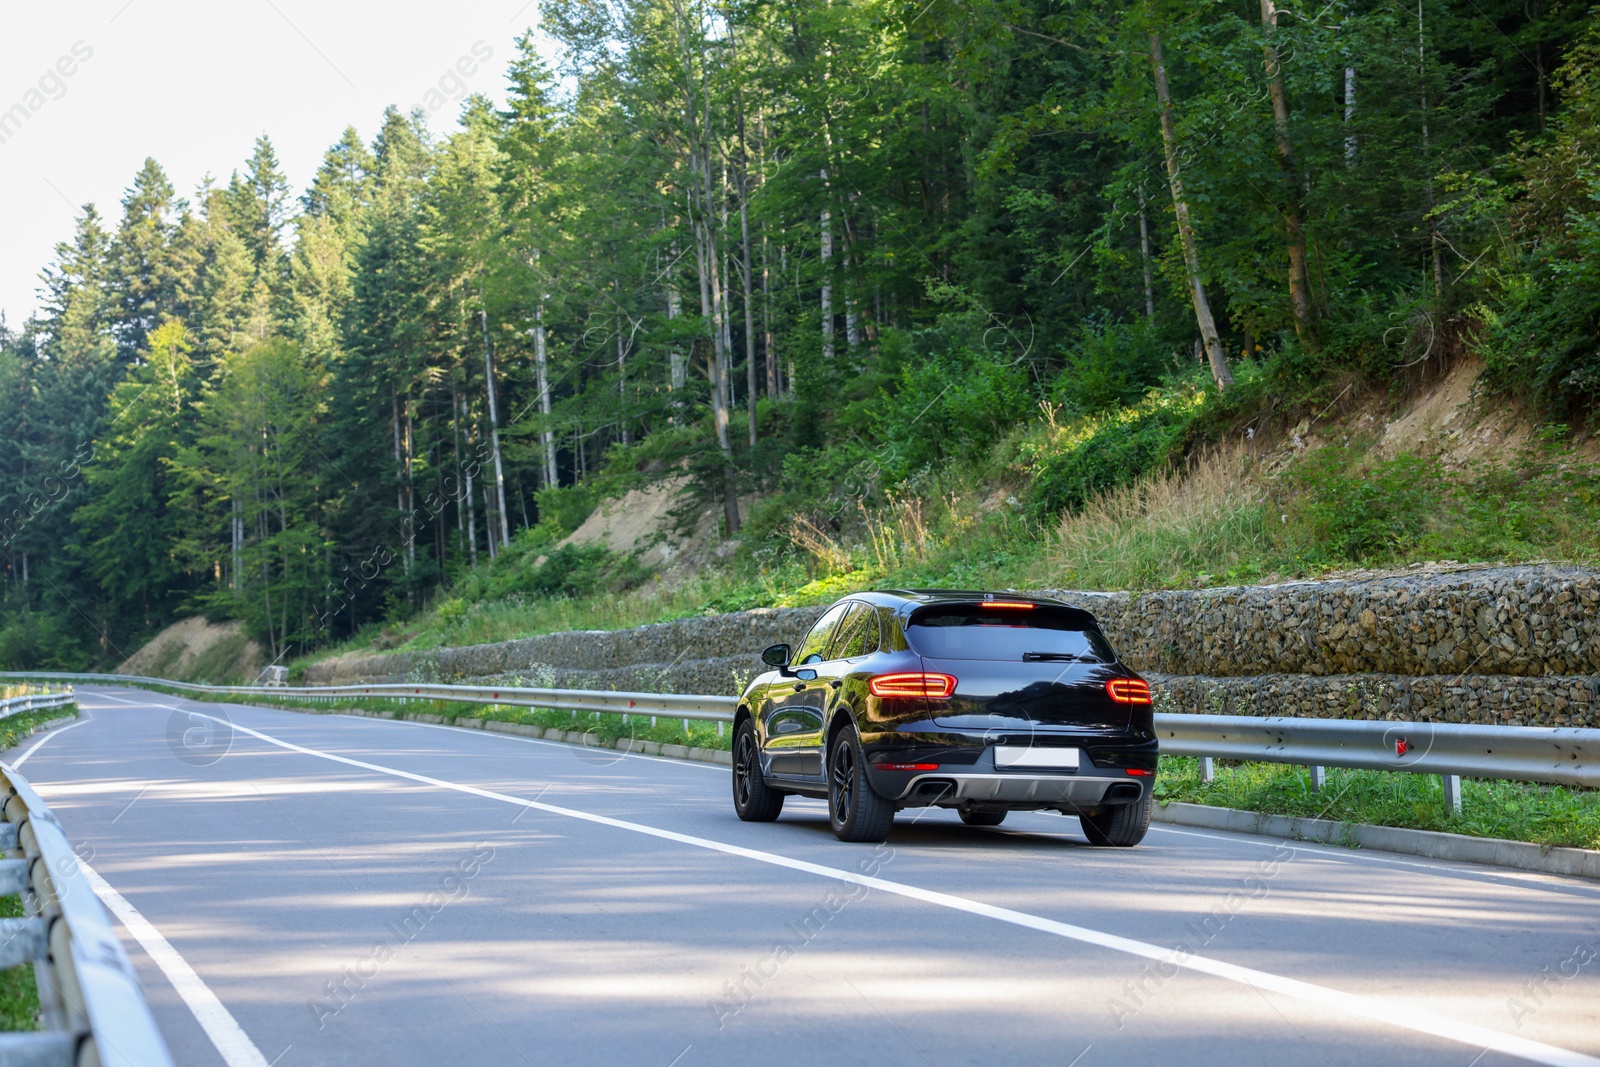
[(753, 799), (855, 811), (983, 818), (1119, 827)]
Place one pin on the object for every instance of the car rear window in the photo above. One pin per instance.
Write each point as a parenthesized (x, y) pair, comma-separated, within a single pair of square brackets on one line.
[(974, 632)]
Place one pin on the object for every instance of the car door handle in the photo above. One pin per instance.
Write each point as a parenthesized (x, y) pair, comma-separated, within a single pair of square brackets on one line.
[(799, 687), (836, 683)]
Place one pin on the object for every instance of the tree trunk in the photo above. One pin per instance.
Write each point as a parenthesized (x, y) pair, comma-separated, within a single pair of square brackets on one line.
[(1305, 323), (766, 319), (541, 365), (752, 385), (826, 256), (1186, 237), (1427, 152), (1144, 257), (466, 493), (494, 436)]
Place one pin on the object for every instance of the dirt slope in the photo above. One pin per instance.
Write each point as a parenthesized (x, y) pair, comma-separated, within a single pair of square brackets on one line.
[(197, 650)]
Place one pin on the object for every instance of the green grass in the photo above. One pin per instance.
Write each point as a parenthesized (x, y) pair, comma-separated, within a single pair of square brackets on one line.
[(19, 996), (18, 727), (1544, 815)]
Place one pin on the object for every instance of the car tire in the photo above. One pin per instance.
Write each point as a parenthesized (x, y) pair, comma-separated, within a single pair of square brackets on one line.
[(753, 799), (1119, 827), (982, 818), (855, 811)]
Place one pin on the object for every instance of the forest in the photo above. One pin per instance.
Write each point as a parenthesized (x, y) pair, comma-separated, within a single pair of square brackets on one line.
[(803, 258)]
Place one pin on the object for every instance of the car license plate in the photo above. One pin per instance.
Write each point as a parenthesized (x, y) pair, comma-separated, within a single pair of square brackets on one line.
[(1060, 759)]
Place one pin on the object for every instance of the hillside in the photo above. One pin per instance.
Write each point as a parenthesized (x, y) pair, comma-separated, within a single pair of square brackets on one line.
[(198, 650), (1368, 484)]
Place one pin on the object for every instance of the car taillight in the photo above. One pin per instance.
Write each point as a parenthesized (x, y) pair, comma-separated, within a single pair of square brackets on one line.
[(1128, 690), (1141, 772), (913, 684), (906, 766)]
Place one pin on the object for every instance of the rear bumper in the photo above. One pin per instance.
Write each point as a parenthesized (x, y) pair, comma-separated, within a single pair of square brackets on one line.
[(1019, 790)]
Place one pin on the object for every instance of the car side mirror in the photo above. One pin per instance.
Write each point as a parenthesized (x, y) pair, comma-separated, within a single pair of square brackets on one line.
[(776, 656)]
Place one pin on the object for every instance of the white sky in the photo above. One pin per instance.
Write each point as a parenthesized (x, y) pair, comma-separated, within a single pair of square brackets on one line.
[(194, 83)]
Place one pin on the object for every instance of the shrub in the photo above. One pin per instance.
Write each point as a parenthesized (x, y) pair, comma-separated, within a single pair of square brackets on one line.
[(1107, 452)]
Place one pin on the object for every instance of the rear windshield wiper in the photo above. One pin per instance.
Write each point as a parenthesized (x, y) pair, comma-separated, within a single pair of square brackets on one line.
[(1065, 657)]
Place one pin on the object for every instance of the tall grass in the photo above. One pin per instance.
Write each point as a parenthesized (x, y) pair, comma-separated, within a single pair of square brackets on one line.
[(1210, 521)]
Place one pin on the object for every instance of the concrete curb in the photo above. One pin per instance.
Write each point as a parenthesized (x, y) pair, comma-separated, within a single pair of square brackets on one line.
[(1490, 851)]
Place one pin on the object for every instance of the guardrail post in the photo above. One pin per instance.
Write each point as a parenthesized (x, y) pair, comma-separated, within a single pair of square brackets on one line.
[(1452, 791), (1319, 778), (1208, 765)]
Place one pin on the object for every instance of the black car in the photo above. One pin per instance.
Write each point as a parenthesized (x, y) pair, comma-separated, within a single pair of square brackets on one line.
[(981, 702)]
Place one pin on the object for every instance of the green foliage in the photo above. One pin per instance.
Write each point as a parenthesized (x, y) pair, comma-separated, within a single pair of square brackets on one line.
[(953, 397), (33, 640), (19, 992), (1099, 453), (1113, 365), (1362, 512)]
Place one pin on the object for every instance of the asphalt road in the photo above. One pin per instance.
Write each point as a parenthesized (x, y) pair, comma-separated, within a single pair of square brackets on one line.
[(321, 889)]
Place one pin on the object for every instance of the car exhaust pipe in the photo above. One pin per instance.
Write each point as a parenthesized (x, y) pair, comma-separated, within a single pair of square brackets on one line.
[(1123, 793)]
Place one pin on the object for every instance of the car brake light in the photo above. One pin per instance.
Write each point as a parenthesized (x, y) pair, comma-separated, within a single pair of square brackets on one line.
[(1140, 772), (1007, 605), (906, 766), (913, 684), (1128, 690)]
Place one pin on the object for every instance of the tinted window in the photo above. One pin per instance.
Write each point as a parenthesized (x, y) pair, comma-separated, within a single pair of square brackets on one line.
[(971, 632), (816, 642), (858, 634)]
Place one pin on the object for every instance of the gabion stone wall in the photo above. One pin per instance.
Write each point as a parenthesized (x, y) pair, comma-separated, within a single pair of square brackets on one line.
[(1514, 645), (1488, 699), (1524, 621)]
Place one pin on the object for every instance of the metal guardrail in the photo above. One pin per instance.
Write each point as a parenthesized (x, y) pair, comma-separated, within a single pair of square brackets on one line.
[(672, 705), (90, 999), (1556, 755), (34, 702)]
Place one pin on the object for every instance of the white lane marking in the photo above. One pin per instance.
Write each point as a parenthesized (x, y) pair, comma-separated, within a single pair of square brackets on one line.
[(20, 760), (234, 1045), (1416, 1020)]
